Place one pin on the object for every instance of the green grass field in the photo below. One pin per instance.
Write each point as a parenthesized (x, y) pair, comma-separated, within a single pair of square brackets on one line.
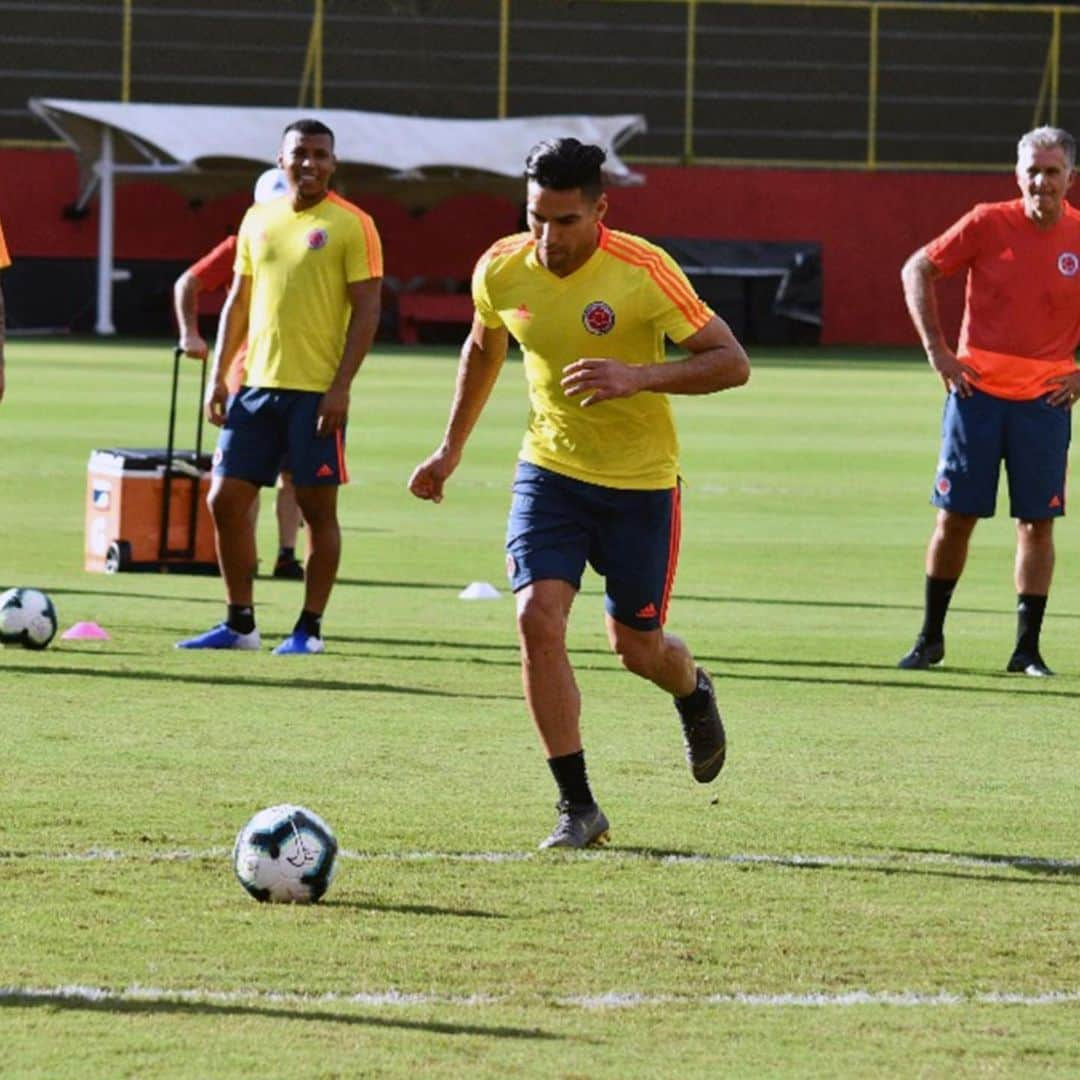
[(883, 882)]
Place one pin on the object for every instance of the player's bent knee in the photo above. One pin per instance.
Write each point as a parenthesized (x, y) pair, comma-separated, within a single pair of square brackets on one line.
[(639, 655)]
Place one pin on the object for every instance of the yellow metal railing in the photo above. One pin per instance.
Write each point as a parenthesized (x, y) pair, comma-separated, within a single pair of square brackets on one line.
[(1046, 111), (872, 88), (125, 53), (691, 71), (1047, 102), (312, 76), (504, 58)]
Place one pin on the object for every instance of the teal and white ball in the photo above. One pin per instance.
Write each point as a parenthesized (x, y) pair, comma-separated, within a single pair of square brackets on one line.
[(285, 854)]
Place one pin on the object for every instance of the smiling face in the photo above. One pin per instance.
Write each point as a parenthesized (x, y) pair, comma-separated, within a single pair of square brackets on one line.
[(1044, 177), (564, 224), (308, 163)]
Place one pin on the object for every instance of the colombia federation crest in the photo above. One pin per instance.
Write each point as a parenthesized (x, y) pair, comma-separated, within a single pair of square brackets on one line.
[(598, 317)]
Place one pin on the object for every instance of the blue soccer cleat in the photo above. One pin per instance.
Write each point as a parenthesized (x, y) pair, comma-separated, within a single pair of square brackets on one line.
[(222, 637), (300, 644)]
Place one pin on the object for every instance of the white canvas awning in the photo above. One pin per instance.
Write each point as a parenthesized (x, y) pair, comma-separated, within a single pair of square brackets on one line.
[(212, 149)]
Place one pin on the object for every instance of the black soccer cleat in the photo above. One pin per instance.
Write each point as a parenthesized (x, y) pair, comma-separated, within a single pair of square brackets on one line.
[(579, 826), (289, 569), (1028, 664), (924, 654), (703, 735)]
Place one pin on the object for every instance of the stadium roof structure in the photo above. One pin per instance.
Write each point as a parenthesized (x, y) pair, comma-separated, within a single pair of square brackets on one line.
[(207, 150)]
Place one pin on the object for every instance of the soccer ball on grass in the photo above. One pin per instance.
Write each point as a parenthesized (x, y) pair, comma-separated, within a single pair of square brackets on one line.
[(27, 618), (286, 854)]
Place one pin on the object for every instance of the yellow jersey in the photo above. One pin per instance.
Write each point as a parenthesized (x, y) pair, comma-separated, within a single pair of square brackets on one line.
[(300, 263), (619, 305)]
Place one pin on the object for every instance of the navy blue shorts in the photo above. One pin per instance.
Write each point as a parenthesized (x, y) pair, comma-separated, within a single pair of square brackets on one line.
[(270, 431), (979, 432), (631, 538)]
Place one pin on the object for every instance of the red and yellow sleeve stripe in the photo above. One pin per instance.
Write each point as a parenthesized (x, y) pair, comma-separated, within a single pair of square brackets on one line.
[(508, 245), (674, 286), (372, 243)]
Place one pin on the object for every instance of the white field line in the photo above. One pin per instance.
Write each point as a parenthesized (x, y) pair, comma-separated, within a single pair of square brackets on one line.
[(846, 998), (393, 998), (855, 862)]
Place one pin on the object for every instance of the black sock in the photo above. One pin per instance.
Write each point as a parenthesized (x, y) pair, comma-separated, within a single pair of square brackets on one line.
[(569, 773), (309, 623), (1029, 616), (694, 703), (938, 594), (286, 554), (241, 618)]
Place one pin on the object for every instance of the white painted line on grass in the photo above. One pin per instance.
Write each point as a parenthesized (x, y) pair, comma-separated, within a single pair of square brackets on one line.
[(905, 999), (376, 999), (394, 998), (795, 859)]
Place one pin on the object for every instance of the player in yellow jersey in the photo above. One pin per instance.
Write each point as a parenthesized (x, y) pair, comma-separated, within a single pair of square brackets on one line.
[(5, 261), (213, 273), (305, 296), (597, 480)]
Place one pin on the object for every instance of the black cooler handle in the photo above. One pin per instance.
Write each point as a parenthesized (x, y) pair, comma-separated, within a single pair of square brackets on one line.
[(187, 552)]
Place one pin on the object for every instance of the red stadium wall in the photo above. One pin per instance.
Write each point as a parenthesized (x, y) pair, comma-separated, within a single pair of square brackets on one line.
[(866, 224)]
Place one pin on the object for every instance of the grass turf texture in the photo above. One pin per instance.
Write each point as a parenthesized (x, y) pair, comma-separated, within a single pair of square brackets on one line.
[(876, 832)]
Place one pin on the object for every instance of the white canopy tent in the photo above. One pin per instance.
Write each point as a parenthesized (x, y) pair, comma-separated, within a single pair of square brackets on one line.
[(210, 149)]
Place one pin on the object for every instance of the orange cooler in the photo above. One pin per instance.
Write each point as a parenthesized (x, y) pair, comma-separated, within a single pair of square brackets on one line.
[(126, 512)]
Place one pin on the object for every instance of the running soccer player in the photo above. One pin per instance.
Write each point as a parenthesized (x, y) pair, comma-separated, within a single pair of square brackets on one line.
[(597, 480), (1011, 383), (5, 261), (213, 272), (305, 296)]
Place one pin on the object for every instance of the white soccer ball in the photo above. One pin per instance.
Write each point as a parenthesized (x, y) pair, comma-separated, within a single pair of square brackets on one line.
[(27, 618), (285, 854)]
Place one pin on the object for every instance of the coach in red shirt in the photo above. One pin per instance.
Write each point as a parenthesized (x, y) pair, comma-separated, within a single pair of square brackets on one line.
[(1011, 383)]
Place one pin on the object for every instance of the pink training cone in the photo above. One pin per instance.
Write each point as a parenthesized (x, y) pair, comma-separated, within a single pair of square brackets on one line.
[(85, 631)]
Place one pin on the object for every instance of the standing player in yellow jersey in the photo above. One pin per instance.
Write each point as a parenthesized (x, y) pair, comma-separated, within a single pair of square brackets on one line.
[(1011, 384), (5, 261), (211, 273), (305, 296), (597, 479)]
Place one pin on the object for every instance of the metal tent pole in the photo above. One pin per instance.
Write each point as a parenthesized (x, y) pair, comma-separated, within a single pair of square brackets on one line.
[(106, 224)]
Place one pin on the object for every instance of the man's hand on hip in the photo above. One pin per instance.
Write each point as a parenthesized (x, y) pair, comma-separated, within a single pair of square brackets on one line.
[(1065, 389), (954, 374)]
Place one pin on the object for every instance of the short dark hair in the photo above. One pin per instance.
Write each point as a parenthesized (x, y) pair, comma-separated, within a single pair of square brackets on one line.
[(565, 164), (308, 127)]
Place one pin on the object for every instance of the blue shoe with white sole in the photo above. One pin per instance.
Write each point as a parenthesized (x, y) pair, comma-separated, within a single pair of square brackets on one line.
[(300, 644), (222, 637)]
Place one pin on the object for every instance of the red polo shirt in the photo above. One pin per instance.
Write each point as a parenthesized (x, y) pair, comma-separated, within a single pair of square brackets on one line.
[(1022, 306)]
